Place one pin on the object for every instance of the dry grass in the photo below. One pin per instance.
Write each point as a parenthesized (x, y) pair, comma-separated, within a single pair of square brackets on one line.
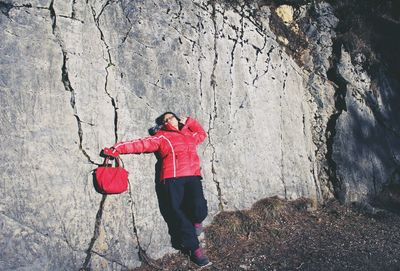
[(281, 235)]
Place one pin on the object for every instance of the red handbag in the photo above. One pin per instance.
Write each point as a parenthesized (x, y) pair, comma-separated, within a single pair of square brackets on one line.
[(111, 180)]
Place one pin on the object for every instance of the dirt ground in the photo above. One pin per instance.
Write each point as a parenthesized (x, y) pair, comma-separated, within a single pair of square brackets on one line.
[(281, 235)]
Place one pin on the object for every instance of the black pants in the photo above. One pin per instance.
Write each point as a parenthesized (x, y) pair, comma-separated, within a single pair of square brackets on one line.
[(182, 203)]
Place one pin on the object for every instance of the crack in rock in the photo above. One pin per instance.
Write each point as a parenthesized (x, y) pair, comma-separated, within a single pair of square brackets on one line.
[(109, 64), (213, 171), (141, 252), (250, 17), (201, 56), (313, 169), (193, 42), (340, 106), (200, 82), (107, 259), (44, 235), (235, 42), (71, 18), (96, 233), (281, 139), (68, 87), (73, 10), (267, 61), (178, 14), (130, 27), (213, 114), (5, 8), (64, 231), (65, 78)]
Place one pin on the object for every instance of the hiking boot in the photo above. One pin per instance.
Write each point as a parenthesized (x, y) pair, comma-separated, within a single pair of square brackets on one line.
[(199, 228), (199, 258)]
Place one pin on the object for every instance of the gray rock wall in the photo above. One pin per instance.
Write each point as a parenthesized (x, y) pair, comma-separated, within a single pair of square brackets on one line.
[(77, 76), (371, 119)]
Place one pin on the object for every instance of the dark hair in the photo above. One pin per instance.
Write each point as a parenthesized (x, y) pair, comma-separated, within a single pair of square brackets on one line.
[(160, 123), (160, 119)]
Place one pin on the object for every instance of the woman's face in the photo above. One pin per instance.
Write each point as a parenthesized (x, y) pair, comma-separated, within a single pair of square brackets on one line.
[(169, 118)]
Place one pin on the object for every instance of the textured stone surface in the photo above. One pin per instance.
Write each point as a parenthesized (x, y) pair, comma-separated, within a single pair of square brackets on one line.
[(371, 121), (320, 32), (77, 76)]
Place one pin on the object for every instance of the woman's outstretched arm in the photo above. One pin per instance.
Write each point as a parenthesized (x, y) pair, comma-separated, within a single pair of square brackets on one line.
[(141, 145)]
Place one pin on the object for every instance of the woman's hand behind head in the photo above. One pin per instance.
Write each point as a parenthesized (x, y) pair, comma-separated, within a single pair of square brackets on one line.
[(183, 120)]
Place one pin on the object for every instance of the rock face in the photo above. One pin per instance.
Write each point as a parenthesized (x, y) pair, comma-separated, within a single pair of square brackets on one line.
[(371, 119), (77, 76)]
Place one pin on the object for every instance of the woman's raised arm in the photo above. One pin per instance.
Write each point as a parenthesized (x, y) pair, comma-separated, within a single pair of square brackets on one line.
[(197, 129)]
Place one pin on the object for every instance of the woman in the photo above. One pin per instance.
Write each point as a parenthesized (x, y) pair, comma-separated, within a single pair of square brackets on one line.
[(184, 206)]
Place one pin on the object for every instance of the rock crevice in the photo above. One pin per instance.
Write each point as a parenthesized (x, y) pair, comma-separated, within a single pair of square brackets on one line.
[(65, 78), (340, 106)]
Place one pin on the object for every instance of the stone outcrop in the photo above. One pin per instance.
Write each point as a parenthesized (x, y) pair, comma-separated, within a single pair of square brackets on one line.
[(281, 119)]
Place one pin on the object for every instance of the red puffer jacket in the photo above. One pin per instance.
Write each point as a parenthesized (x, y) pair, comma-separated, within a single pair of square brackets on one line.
[(177, 148)]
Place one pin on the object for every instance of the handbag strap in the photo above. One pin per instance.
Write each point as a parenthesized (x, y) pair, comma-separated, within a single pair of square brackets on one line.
[(118, 161)]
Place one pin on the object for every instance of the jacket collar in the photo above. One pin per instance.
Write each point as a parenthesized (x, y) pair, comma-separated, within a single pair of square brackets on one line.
[(168, 127)]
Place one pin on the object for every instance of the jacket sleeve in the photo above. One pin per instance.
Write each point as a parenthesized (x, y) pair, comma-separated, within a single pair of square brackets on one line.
[(197, 129), (141, 145)]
